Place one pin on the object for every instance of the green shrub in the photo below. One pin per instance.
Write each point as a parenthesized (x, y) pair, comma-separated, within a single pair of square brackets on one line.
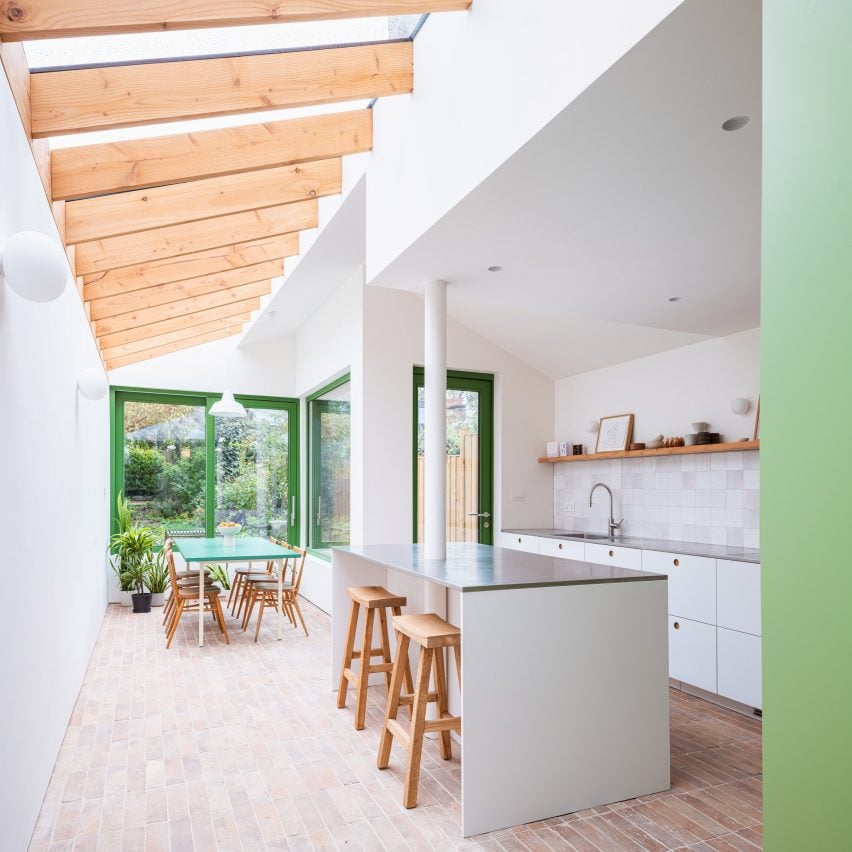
[(142, 470)]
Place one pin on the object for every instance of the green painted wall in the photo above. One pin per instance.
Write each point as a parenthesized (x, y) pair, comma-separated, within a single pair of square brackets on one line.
[(806, 423)]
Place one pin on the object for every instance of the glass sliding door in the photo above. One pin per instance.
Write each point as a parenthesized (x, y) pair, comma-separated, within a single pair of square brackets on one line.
[(163, 463), (252, 458), (469, 502), (330, 453)]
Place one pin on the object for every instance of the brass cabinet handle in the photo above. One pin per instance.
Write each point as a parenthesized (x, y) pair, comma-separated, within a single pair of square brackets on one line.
[(560, 545), (519, 541), (612, 553), (677, 562), (677, 625)]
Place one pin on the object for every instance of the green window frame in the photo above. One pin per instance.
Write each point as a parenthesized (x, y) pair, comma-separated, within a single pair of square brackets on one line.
[(483, 384), (121, 395), (316, 405)]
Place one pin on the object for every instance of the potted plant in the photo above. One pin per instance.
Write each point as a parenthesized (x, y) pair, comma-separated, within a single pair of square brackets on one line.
[(157, 579), (125, 522), (135, 551)]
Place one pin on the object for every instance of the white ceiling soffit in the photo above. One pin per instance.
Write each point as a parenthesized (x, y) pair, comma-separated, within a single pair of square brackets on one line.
[(633, 195), (336, 252)]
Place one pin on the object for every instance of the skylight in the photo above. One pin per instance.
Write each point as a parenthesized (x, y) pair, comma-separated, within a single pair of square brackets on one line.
[(187, 44)]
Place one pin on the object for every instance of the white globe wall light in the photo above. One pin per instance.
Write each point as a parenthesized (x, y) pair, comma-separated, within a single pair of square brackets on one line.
[(591, 426), (92, 384), (740, 405), (34, 266)]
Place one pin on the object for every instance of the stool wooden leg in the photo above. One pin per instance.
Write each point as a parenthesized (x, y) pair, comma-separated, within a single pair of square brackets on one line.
[(457, 649), (364, 670), (418, 723), (347, 653), (386, 740), (386, 652), (443, 707), (409, 682)]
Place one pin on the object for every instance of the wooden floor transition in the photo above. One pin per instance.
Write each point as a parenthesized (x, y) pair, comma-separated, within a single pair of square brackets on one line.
[(240, 747)]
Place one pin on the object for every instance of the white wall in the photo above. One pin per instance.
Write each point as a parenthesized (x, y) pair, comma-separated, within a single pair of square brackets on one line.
[(53, 484), (262, 369), (485, 82), (393, 344), (668, 391)]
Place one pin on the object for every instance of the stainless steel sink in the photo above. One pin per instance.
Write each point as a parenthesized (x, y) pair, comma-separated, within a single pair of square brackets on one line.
[(587, 536)]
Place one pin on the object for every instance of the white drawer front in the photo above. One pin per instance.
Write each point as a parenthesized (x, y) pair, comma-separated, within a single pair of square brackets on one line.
[(740, 667), (563, 548), (738, 595), (608, 554), (515, 541), (692, 583), (692, 653)]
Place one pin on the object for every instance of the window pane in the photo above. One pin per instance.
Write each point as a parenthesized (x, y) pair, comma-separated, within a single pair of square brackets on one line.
[(330, 448), (462, 464), (252, 471), (164, 464)]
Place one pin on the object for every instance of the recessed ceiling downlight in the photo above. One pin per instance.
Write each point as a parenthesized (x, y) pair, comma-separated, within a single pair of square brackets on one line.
[(495, 268), (738, 122)]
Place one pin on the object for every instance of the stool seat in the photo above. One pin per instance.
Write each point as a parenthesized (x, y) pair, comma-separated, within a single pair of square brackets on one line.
[(374, 597), (429, 630)]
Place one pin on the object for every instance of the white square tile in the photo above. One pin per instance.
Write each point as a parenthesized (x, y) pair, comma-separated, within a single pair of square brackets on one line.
[(751, 479), (718, 498), (734, 499), (734, 461)]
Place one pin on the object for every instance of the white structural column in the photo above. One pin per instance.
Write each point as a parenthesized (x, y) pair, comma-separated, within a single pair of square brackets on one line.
[(435, 473)]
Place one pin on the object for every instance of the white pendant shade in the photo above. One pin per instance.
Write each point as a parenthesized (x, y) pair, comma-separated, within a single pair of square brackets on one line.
[(92, 383), (227, 406), (34, 266)]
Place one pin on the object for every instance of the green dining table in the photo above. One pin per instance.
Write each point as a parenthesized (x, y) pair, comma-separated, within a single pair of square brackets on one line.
[(210, 551)]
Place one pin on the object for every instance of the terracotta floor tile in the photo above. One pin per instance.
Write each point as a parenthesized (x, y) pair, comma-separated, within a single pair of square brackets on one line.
[(239, 748)]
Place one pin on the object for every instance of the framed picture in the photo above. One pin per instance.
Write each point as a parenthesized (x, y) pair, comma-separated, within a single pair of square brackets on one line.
[(614, 433)]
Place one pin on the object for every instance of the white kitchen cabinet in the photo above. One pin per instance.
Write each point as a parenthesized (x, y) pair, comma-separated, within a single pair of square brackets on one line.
[(563, 548), (692, 583), (518, 541), (738, 594), (739, 666), (608, 554), (692, 652)]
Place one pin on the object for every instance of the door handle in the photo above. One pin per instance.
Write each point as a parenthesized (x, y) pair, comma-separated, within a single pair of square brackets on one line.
[(319, 508), (479, 514), (293, 510)]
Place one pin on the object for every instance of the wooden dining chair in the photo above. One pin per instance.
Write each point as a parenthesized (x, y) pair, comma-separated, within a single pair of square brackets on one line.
[(265, 594), (184, 598)]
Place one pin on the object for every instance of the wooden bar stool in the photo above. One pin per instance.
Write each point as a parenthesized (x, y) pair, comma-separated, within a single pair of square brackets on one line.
[(433, 634), (372, 598)]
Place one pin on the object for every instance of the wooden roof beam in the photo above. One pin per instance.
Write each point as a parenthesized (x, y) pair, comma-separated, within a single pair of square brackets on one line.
[(128, 279), (189, 237), (167, 348), (184, 321), (139, 163), (161, 206), (99, 98), (162, 294), (228, 324), (148, 316), (35, 19)]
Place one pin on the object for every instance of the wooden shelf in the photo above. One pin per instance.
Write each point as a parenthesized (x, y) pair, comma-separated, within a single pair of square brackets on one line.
[(663, 451)]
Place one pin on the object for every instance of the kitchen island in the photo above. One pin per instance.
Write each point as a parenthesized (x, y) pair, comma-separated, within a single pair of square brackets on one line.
[(564, 696)]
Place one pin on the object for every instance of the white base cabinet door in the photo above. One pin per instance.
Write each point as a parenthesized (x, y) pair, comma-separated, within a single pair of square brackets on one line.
[(566, 549), (692, 652), (739, 667), (607, 554), (738, 585), (692, 583), (516, 541)]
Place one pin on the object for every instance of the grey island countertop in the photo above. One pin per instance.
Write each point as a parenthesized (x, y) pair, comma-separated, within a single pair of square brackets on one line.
[(479, 567), (686, 548)]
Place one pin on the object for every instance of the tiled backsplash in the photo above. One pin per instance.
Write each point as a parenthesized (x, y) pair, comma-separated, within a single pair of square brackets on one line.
[(712, 498)]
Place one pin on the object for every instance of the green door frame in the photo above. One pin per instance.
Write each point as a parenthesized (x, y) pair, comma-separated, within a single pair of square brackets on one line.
[(120, 395), (315, 407), (483, 384)]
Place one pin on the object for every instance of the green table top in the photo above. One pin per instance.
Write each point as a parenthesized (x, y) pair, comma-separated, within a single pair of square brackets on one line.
[(248, 549)]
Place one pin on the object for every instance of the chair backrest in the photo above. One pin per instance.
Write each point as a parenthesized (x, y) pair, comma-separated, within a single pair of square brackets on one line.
[(170, 561), (298, 564)]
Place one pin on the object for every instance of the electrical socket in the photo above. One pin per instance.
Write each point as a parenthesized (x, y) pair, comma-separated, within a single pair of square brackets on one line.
[(569, 507)]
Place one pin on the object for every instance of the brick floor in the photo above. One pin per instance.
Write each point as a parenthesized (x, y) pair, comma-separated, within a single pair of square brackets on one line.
[(241, 747)]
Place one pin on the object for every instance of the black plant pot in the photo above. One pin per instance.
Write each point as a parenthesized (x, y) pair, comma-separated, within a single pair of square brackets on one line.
[(141, 601)]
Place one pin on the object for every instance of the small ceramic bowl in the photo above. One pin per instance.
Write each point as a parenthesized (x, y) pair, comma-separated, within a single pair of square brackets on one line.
[(653, 445), (700, 426)]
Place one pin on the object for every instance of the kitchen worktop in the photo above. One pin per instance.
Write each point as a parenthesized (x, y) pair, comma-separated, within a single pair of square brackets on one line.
[(479, 567), (686, 548)]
